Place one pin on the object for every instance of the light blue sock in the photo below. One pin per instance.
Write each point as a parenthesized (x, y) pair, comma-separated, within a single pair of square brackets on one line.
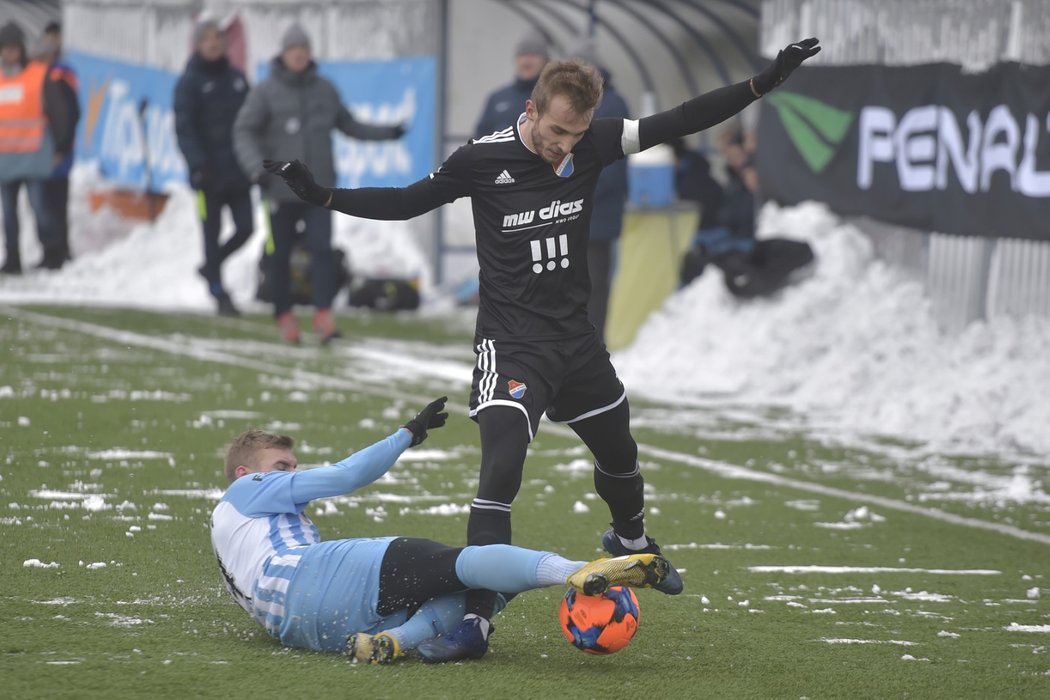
[(510, 569), (434, 618)]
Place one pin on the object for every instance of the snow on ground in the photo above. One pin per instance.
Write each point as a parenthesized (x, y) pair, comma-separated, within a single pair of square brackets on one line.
[(152, 265), (854, 350)]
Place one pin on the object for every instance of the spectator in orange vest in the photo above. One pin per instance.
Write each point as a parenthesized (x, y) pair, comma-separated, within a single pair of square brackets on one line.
[(28, 104)]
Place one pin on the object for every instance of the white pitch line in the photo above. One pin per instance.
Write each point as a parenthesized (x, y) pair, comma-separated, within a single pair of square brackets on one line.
[(189, 347), (818, 569), (730, 471), (727, 471)]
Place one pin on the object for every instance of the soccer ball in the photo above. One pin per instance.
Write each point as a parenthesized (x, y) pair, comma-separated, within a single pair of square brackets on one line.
[(599, 624)]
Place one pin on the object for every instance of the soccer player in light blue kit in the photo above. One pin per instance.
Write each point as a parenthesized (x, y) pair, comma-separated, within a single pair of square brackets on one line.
[(373, 597)]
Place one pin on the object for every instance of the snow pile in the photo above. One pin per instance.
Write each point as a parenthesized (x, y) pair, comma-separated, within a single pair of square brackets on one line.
[(153, 265), (854, 348)]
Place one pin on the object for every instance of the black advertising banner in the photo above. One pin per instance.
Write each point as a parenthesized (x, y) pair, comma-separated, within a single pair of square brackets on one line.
[(926, 146)]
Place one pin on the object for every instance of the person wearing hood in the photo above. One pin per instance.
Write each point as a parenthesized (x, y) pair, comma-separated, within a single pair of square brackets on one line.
[(208, 96), (610, 198), (291, 115), (28, 154), (505, 104)]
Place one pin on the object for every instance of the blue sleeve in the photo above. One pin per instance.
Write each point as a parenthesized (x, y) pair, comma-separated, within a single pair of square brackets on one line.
[(272, 493), (357, 470)]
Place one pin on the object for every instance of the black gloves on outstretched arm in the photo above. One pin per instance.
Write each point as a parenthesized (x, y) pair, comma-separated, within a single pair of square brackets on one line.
[(299, 180), (787, 60), (429, 417)]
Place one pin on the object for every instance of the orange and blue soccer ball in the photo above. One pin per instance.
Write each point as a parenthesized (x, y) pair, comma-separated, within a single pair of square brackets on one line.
[(599, 624)]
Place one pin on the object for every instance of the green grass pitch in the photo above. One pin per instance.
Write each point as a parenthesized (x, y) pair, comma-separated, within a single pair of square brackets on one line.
[(111, 429)]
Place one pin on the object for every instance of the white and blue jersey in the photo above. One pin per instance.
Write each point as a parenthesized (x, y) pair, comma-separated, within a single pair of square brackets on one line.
[(305, 592)]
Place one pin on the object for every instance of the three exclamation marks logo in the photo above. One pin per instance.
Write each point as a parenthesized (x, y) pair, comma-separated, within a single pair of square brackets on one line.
[(550, 249)]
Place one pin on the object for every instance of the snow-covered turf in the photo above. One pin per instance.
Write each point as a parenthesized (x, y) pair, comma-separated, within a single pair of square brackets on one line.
[(853, 352), (835, 478)]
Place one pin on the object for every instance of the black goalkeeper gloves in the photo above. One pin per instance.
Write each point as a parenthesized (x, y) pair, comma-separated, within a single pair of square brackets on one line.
[(299, 180), (430, 417), (787, 60)]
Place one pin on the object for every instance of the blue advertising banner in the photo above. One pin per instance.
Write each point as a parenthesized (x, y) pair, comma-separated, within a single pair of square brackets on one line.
[(383, 92), (128, 124)]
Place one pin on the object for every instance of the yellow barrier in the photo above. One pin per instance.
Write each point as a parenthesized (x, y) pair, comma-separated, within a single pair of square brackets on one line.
[(650, 254)]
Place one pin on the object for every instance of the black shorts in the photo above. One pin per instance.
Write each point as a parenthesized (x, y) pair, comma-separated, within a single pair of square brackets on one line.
[(414, 571), (570, 379)]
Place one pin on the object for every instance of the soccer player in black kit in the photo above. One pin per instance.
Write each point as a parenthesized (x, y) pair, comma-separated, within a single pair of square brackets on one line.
[(531, 185)]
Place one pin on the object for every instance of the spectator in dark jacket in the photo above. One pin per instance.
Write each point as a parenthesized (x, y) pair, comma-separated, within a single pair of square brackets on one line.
[(290, 115), (64, 116), (505, 104), (610, 197), (208, 96), (750, 267), (36, 133)]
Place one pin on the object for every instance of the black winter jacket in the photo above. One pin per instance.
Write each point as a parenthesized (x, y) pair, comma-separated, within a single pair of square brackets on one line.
[(207, 98)]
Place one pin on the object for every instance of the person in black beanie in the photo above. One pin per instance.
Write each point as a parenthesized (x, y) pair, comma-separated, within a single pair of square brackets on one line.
[(208, 96)]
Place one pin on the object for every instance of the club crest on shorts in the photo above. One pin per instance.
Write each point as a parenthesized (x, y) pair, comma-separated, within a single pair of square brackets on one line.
[(516, 389)]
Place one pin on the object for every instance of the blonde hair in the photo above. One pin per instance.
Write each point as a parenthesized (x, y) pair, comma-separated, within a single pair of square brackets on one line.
[(244, 449), (578, 82)]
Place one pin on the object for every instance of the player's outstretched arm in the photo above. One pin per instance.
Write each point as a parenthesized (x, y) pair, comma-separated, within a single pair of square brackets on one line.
[(365, 466), (716, 106), (382, 203)]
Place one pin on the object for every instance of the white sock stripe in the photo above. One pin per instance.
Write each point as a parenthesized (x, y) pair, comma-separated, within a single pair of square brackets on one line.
[(490, 505), (630, 475)]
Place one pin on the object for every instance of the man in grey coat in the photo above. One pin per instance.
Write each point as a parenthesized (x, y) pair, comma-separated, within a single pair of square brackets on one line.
[(290, 115)]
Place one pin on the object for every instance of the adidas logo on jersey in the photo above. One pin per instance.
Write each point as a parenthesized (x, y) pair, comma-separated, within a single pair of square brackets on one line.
[(504, 178)]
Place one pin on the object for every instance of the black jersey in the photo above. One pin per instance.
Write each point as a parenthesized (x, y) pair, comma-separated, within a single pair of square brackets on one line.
[(531, 222), (532, 219)]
